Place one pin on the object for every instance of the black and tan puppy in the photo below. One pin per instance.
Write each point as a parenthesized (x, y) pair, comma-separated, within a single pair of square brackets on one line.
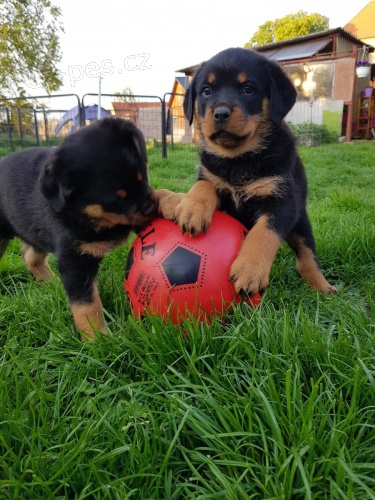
[(78, 201), (249, 166)]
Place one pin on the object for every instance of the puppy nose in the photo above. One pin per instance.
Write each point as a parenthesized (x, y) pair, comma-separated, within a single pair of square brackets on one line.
[(221, 114)]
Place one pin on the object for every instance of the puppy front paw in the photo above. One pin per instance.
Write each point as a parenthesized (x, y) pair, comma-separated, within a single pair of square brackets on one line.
[(249, 277), (167, 203), (193, 217)]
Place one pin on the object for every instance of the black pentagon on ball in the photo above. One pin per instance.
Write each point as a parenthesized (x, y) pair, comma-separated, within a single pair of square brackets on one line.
[(182, 267)]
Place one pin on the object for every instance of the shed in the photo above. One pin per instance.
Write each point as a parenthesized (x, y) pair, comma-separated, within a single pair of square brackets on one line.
[(322, 68)]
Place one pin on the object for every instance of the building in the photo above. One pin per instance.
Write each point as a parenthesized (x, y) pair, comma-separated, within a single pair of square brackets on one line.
[(322, 67), (362, 26), (146, 115), (177, 126)]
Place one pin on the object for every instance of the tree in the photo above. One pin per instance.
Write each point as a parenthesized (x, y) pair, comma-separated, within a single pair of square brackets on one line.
[(29, 46), (125, 96), (287, 27)]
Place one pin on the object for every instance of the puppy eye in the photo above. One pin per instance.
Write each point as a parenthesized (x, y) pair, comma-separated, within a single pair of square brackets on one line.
[(206, 90), (248, 89)]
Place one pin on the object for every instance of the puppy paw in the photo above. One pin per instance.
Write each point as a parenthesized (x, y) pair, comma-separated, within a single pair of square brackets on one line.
[(329, 290), (193, 217), (248, 277), (167, 203)]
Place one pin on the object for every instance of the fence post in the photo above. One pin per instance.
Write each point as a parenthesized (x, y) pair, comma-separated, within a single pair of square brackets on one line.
[(46, 131), (163, 130), (20, 125), (36, 128), (9, 126)]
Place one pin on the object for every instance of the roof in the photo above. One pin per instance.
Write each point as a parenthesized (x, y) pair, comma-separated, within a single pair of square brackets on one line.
[(297, 51), (308, 45), (363, 24), (130, 106), (320, 35), (183, 81)]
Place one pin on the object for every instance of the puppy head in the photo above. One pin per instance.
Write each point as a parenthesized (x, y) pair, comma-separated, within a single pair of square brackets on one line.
[(101, 171), (234, 98)]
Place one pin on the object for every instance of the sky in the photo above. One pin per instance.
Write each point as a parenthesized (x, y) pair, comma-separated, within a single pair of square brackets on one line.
[(141, 43)]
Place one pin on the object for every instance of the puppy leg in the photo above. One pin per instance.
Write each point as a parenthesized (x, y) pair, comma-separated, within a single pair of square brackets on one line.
[(250, 270), (36, 262), (301, 240), (89, 317), (78, 274), (194, 212), (3, 246)]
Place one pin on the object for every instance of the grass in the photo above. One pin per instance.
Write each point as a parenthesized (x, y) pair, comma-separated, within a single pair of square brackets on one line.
[(276, 403)]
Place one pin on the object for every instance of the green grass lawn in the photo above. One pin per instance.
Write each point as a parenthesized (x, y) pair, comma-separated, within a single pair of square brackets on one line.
[(277, 403)]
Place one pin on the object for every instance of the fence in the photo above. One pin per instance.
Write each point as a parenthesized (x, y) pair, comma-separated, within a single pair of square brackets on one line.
[(46, 120), (31, 121)]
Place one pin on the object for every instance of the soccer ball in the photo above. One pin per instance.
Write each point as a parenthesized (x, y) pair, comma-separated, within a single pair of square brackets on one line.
[(175, 276)]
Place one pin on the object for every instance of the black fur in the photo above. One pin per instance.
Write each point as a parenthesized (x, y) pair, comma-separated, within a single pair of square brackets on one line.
[(78, 200), (249, 167)]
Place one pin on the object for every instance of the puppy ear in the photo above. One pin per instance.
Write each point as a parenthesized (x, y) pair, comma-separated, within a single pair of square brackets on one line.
[(53, 187), (189, 103), (282, 93), (190, 97), (140, 145)]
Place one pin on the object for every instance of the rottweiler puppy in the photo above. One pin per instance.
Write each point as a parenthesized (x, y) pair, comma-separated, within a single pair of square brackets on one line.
[(78, 201), (249, 166)]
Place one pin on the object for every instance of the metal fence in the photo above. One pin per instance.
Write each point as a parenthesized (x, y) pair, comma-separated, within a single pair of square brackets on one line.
[(32, 121), (46, 120)]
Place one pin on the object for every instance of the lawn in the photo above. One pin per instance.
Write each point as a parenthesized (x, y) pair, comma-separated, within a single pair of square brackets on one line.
[(276, 403)]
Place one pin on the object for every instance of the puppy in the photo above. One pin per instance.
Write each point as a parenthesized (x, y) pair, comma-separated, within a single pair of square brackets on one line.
[(77, 201), (249, 167)]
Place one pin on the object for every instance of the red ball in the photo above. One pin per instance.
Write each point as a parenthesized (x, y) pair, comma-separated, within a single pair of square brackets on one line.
[(176, 276)]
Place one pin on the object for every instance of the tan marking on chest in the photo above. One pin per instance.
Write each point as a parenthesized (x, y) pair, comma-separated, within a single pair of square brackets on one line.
[(258, 188)]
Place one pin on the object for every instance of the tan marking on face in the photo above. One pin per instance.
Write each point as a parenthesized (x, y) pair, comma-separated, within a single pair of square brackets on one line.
[(254, 129), (36, 263), (211, 78), (266, 108), (309, 269), (241, 78), (89, 317), (103, 219), (250, 270), (100, 248), (139, 177), (121, 193)]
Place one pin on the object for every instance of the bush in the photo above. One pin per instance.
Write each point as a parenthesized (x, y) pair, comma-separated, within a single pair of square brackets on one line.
[(311, 134)]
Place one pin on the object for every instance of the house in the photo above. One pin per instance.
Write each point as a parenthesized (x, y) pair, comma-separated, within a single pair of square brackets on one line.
[(146, 115), (362, 26), (322, 68), (177, 125)]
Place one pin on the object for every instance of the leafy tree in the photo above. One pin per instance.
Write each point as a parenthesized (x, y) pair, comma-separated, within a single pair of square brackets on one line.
[(29, 46), (125, 96), (287, 27)]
